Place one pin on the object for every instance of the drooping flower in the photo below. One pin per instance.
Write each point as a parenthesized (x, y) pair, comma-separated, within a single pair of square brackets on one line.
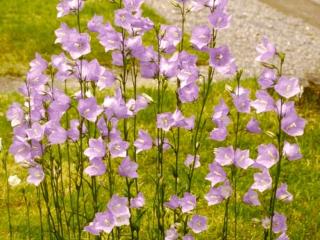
[(95, 24), (128, 168), (268, 155), (220, 115), (217, 195), (266, 50), (173, 203), (264, 102), (292, 151), (55, 132), (36, 132), (252, 198), (262, 181), (253, 126), (36, 175), (96, 149), (242, 159), (241, 100), (118, 206), (96, 168), (287, 87), (89, 109), (198, 224), (188, 202), (283, 194), (138, 201), (267, 78), (171, 234), (219, 134), (192, 161), (118, 148), (293, 125), (15, 114), (216, 174), (201, 36), (65, 7), (143, 142), (224, 156), (219, 19), (188, 93)]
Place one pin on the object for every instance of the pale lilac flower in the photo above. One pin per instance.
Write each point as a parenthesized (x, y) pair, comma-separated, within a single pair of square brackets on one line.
[(55, 132), (36, 175), (266, 50), (36, 132), (219, 134), (21, 150), (188, 202), (192, 161), (219, 19), (262, 181), (118, 206), (267, 78), (268, 155), (214, 196), (292, 151), (96, 168), (283, 236), (143, 142), (138, 201), (133, 5), (89, 109), (279, 223), (201, 36), (110, 39), (188, 237), (128, 168), (73, 132), (189, 93), (173, 203), (220, 115), (165, 121), (264, 102), (287, 87), (293, 125), (65, 7), (15, 114), (172, 36), (78, 44), (219, 56), (95, 24), (96, 149), (283, 194), (171, 234), (105, 221), (118, 148), (198, 224), (241, 100), (224, 156), (242, 159), (252, 198), (253, 126), (216, 174)]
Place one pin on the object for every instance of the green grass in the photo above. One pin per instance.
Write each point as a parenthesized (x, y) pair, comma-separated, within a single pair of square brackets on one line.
[(302, 176)]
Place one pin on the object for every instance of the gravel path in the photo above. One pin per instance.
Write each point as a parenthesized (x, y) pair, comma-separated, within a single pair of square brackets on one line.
[(251, 20)]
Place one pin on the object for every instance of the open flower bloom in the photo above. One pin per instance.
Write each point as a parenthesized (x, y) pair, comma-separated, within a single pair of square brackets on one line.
[(96, 149), (138, 201), (292, 151), (201, 36), (219, 19), (262, 181), (287, 87), (252, 198), (198, 224), (264, 102), (216, 174), (192, 161), (267, 155), (144, 141), (171, 234), (118, 148), (293, 125), (96, 168), (36, 175), (217, 194), (253, 126), (283, 194), (128, 168), (188, 202), (266, 50)]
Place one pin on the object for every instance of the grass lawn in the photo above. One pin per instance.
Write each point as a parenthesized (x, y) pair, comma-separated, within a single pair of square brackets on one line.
[(302, 176)]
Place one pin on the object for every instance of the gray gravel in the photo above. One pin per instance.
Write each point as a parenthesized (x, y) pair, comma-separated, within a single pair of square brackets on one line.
[(251, 20)]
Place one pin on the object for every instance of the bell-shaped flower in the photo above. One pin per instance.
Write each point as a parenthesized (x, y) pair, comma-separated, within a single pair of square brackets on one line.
[(266, 50), (128, 168), (188, 202), (96, 149), (268, 155), (252, 198), (287, 87), (143, 142), (292, 151), (216, 174), (36, 175), (253, 126), (198, 224), (283, 194), (262, 181)]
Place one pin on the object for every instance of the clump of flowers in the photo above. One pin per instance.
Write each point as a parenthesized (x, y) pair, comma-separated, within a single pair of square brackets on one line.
[(85, 147)]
